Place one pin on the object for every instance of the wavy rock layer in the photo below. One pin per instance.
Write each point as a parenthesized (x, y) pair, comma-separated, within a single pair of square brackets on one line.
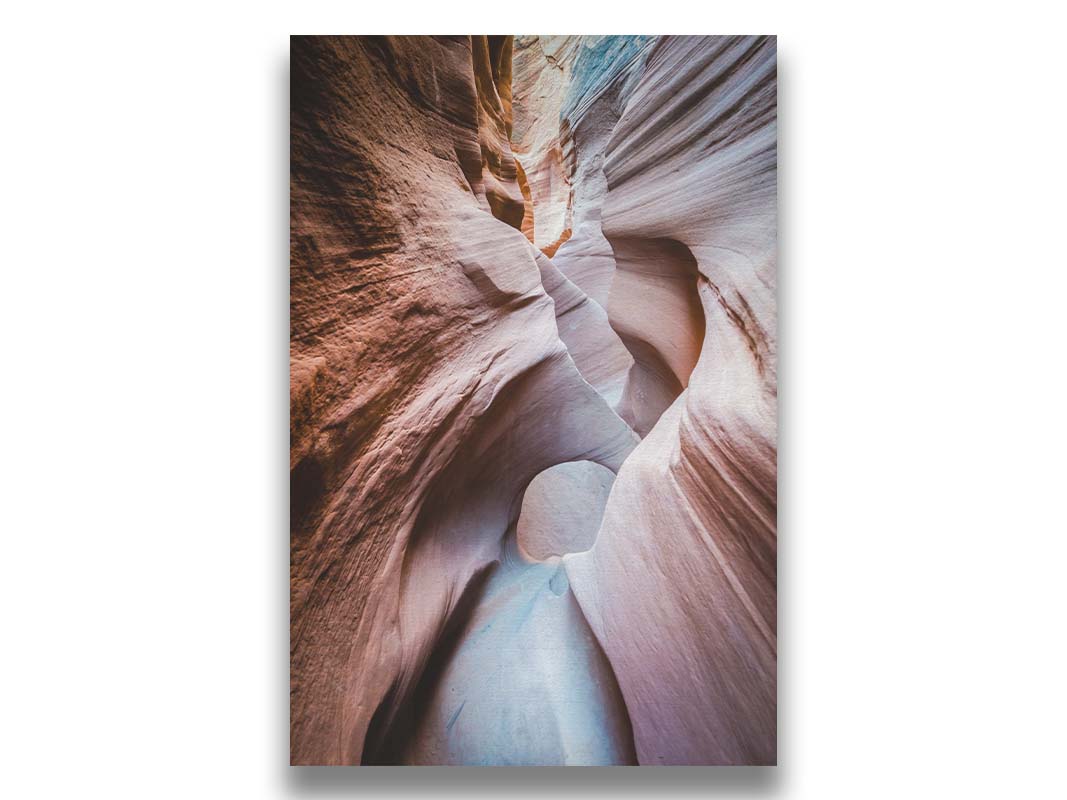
[(572, 91), (445, 374), (680, 586), (429, 383)]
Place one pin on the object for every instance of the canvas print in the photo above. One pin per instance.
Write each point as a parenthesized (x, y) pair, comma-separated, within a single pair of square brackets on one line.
[(533, 400)]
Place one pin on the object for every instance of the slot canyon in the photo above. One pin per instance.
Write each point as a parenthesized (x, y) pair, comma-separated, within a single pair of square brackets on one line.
[(533, 400)]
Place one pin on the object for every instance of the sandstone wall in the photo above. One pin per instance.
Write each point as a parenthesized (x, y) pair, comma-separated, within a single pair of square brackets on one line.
[(428, 381), (464, 320), (680, 586)]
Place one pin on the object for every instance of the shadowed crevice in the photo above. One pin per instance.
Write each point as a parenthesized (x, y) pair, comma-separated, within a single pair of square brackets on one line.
[(386, 740), (655, 309)]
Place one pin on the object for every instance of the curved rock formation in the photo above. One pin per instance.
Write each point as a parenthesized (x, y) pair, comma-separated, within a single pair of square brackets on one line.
[(470, 583), (655, 309), (562, 510), (585, 329), (425, 356), (542, 70), (688, 542), (521, 682), (605, 72), (572, 91)]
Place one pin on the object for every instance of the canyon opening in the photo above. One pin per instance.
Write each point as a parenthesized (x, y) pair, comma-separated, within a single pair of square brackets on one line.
[(533, 400)]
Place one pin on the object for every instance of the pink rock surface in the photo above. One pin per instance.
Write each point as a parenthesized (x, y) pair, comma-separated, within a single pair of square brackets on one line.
[(571, 92), (429, 383), (562, 510), (542, 74), (680, 586), (584, 327), (452, 395)]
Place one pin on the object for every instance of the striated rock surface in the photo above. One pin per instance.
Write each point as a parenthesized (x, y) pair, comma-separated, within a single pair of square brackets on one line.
[(584, 327), (477, 343), (680, 585), (605, 72), (429, 383), (656, 311), (571, 94), (542, 68)]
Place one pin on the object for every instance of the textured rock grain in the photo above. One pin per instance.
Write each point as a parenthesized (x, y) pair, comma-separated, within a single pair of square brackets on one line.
[(428, 381), (680, 586), (489, 566)]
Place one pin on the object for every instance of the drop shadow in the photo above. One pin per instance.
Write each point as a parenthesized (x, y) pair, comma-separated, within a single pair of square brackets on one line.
[(278, 435), (532, 781), (786, 612)]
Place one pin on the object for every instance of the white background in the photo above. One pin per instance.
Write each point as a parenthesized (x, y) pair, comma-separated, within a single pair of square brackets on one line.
[(144, 399)]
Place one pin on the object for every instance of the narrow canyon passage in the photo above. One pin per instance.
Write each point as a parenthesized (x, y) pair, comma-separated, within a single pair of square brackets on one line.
[(533, 393), (520, 679), (523, 681)]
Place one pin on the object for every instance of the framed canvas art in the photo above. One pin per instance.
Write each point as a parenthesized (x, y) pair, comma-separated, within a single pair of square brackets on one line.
[(533, 400)]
